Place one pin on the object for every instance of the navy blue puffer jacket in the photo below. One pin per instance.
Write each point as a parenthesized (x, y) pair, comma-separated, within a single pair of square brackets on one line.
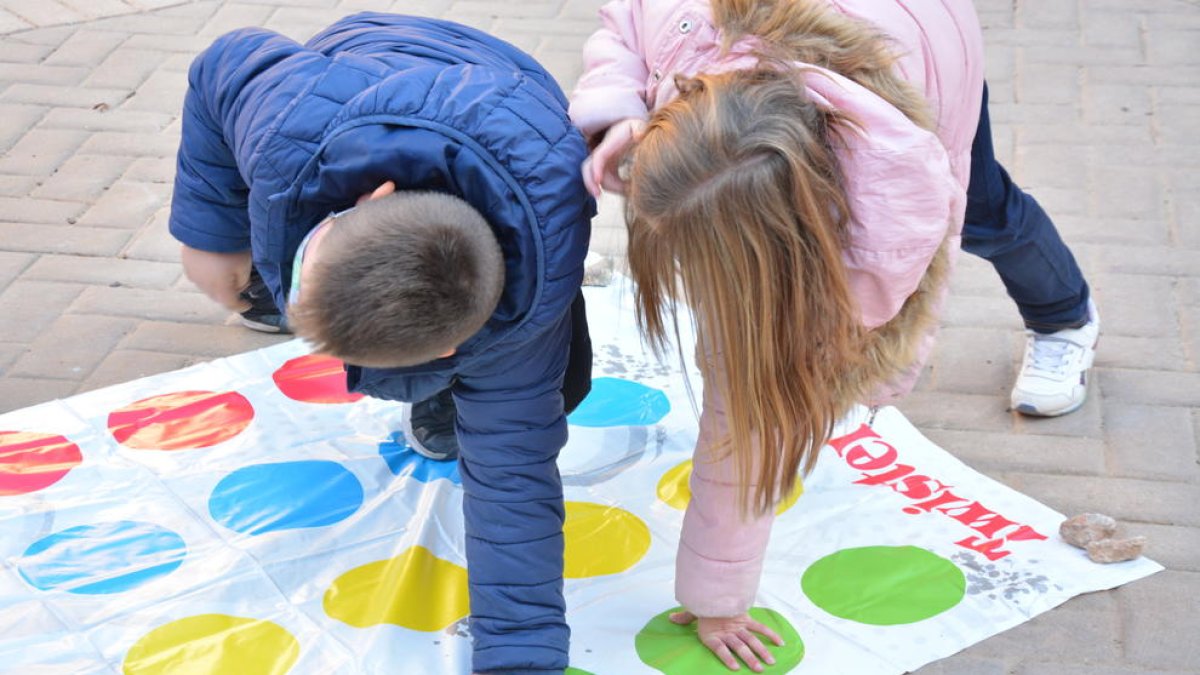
[(277, 135)]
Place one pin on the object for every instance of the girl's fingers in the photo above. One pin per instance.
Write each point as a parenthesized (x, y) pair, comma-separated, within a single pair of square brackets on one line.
[(757, 646), (762, 629), (589, 180), (739, 647), (717, 646)]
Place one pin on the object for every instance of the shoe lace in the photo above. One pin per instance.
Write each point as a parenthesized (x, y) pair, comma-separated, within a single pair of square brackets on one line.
[(1048, 354)]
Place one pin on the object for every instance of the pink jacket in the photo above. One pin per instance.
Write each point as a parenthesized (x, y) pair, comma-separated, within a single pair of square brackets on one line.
[(907, 188)]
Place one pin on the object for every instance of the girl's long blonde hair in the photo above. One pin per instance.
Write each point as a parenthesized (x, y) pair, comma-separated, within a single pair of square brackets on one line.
[(736, 205)]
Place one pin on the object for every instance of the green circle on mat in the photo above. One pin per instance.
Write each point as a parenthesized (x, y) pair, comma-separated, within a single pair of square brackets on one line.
[(576, 671), (884, 585), (675, 650)]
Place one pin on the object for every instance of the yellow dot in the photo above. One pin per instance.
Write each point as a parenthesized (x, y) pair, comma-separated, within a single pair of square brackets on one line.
[(415, 590), (674, 491), (602, 540), (214, 643)]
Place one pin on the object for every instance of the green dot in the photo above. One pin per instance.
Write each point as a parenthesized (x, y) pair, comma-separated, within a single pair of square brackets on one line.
[(884, 585), (675, 650), (576, 671)]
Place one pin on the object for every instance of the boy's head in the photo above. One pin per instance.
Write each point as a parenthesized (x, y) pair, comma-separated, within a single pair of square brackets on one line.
[(401, 279)]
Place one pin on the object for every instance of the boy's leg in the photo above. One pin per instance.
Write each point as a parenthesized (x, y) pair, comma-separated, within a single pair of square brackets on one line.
[(1008, 228), (263, 315), (577, 383)]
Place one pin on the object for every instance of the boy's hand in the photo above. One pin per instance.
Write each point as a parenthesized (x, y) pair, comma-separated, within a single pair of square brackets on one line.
[(222, 276), (600, 170), (727, 636)]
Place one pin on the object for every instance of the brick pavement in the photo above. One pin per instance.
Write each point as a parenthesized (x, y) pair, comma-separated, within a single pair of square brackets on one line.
[(1094, 103)]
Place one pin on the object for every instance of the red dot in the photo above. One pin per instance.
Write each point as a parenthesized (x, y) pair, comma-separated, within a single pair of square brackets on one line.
[(314, 379), (181, 421), (30, 462)]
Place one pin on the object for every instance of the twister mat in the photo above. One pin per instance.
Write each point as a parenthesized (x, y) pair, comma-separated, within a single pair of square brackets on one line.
[(249, 516)]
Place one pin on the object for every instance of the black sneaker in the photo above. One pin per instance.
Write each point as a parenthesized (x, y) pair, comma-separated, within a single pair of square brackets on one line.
[(263, 316), (429, 427)]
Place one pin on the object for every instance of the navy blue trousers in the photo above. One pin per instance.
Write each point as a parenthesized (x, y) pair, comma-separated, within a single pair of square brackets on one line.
[(1009, 229)]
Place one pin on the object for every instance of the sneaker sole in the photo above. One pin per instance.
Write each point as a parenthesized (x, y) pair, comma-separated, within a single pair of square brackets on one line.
[(410, 439), (261, 327)]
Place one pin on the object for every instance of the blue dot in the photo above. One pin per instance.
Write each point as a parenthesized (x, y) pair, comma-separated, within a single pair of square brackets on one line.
[(285, 496), (102, 558), (401, 458), (614, 402)]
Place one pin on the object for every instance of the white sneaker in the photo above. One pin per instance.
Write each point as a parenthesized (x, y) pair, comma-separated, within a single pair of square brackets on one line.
[(1053, 379)]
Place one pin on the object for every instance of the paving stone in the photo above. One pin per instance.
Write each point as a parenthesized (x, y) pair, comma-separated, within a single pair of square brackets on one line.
[(82, 178), (1133, 305), (10, 22), (1151, 442), (30, 306), (1119, 351), (154, 241), (85, 48), (1126, 499), (1087, 421), (71, 347), (944, 410), (1112, 29), (77, 269), (1151, 386), (965, 664), (1044, 15), (970, 360), (9, 352), (192, 339), (126, 68), (160, 305), (127, 204), (69, 239), (991, 451), (43, 12), (105, 120), (123, 364), (152, 170), (40, 151), (12, 265), (1060, 668), (164, 144), (62, 96), (230, 16), (1125, 193), (23, 52), (988, 312), (41, 73), (1052, 166), (17, 121), (29, 210), (22, 392), (17, 186), (162, 92), (1158, 633), (1177, 548)]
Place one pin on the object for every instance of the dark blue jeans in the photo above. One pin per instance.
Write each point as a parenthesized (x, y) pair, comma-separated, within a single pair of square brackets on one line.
[(1008, 228)]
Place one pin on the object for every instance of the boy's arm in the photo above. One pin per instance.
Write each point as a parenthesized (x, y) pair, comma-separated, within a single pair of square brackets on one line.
[(511, 429), (613, 84), (209, 207)]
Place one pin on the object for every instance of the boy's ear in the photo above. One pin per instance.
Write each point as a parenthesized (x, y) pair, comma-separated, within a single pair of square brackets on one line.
[(381, 191)]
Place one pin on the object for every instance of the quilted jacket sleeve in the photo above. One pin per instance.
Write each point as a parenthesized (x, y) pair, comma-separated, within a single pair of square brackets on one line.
[(209, 208), (613, 84), (511, 428)]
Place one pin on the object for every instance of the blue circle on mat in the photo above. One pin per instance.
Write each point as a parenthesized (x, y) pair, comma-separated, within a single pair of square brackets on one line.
[(614, 402), (401, 458), (102, 558), (286, 496)]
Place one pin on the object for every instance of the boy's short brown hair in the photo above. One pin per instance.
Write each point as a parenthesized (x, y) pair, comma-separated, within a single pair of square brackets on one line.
[(400, 280)]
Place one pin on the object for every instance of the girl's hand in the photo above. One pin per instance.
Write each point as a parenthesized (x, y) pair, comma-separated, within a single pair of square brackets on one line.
[(727, 636), (600, 171)]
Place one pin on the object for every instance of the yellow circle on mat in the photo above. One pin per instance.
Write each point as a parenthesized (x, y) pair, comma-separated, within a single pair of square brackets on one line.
[(415, 590), (214, 643), (602, 540), (673, 489)]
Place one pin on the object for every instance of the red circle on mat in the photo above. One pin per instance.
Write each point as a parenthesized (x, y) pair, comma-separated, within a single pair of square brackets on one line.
[(181, 421), (31, 461), (314, 379)]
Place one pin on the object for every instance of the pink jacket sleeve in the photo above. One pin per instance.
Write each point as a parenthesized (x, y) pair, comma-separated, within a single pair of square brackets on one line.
[(721, 554), (613, 84)]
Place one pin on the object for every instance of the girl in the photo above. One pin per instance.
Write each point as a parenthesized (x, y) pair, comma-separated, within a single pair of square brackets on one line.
[(800, 167)]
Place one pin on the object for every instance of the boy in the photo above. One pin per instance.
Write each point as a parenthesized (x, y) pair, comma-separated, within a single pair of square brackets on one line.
[(455, 284)]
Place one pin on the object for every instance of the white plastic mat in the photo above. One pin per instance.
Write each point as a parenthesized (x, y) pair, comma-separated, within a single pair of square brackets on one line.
[(246, 516)]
